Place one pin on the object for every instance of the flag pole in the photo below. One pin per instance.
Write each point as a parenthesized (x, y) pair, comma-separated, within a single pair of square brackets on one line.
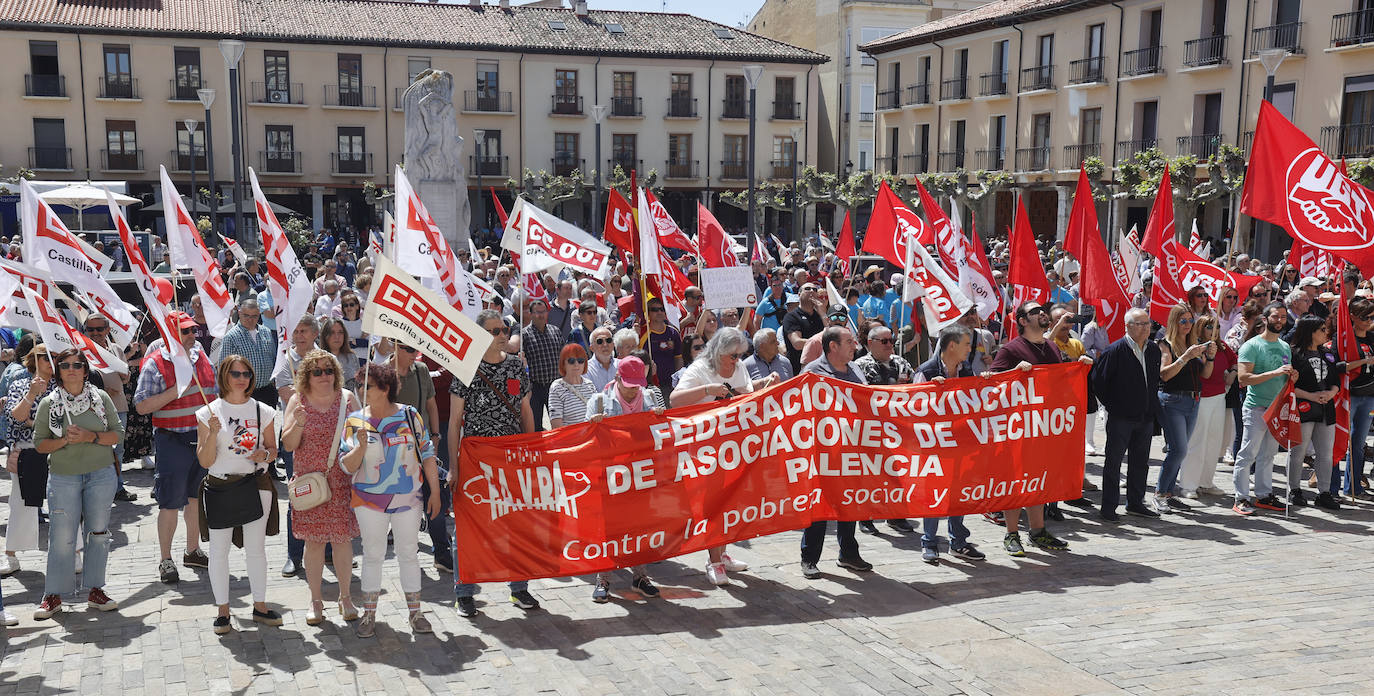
[(639, 261)]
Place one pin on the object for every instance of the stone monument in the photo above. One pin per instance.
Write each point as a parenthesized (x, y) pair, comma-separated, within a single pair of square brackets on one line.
[(434, 154)]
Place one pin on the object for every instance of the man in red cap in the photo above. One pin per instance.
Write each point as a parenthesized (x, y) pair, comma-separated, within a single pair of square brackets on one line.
[(177, 473)]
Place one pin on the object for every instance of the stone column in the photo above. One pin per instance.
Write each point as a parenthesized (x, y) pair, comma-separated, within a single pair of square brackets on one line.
[(316, 208)]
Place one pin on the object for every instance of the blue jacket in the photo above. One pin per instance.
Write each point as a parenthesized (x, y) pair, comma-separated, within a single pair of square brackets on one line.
[(1120, 386)]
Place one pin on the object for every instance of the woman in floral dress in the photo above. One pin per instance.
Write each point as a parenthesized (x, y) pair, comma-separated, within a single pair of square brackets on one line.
[(311, 427)]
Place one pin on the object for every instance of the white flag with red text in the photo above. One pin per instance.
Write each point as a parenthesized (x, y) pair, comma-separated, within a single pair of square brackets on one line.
[(188, 250), (59, 336), (546, 243), (158, 306), (286, 280), (454, 282)]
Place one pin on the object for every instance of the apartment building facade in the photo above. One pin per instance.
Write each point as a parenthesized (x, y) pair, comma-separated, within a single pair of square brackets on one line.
[(104, 93), (1033, 87)]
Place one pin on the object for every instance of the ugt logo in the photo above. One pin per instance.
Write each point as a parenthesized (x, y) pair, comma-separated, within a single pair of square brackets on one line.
[(1324, 207), (538, 486)]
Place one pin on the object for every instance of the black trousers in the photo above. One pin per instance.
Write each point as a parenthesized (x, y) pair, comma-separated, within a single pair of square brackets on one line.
[(539, 400), (813, 538), (1127, 439)]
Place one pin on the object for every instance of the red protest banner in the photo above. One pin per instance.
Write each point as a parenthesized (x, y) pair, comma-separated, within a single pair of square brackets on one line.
[(642, 488)]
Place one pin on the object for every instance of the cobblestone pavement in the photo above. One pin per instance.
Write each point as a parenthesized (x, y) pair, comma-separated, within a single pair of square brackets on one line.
[(1199, 602)]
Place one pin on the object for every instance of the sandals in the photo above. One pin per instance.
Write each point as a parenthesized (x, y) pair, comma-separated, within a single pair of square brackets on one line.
[(419, 623), (346, 609), (315, 616)]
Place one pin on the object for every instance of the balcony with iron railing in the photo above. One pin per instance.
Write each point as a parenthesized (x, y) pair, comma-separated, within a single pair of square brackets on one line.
[(865, 117), (682, 169), (345, 163), (117, 87), (45, 86), (882, 165), (1125, 149), (1037, 78), (991, 159), (565, 165), (627, 163), (359, 97), (293, 93), (1352, 28), (786, 111), (782, 169), (889, 99), (280, 161), (1351, 140), (950, 160), (565, 105), (1142, 61), (1034, 159), (1286, 37), (992, 84), (1088, 71), (682, 107), (1205, 52), (185, 90), (50, 158), (184, 161), (1200, 146), (627, 107), (734, 108), (917, 94), (954, 89), (734, 170), (1075, 154), (916, 163), (121, 160), (487, 101), (489, 165)]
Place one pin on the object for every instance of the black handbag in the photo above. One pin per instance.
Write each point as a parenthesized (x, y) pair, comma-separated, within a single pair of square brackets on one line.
[(236, 503)]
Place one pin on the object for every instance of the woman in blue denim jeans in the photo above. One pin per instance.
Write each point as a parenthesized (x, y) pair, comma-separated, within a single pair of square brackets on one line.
[(77, 426), (1361, 399), (1184, 363)]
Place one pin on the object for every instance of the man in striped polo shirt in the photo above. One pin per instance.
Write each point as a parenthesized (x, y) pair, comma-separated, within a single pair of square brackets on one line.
[(177, 473)]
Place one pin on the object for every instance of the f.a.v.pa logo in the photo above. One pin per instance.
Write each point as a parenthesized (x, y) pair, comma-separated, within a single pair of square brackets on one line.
[(538, 486)]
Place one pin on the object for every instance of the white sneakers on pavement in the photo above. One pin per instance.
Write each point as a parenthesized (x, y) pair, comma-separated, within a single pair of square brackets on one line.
[(715, 573)]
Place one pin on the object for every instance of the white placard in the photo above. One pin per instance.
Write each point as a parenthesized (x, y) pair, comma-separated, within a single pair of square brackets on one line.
[(729, 287)]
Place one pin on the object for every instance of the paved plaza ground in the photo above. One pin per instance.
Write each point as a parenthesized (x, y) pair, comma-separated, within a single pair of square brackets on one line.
[(1201, 602)]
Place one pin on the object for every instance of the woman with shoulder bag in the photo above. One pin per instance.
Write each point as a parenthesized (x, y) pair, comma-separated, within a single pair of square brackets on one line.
[(236, 440), (569, 393), (28, 469), (78, 427), (389, 452), (321, 491)]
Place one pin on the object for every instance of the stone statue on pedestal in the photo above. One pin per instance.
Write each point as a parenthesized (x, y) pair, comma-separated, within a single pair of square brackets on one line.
[(434, 154)]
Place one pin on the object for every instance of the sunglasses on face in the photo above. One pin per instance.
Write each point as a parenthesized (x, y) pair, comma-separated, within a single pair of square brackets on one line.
[(1035, 310), (408, 349), (350, 304), (322, 371), (187, 332), (1233, 297), (71, 366), (839, 317), (1185, 321), (884, 341), (499, 331), (575, 361), (240, 374), (653, 310), (603, 341), (97, 329)]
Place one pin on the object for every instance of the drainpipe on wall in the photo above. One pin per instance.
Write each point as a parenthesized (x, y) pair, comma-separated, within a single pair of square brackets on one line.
[(1243, 98), (709, 70), (939, 108), (1116, 115), (85, 126), (386, 124), (519, 85)]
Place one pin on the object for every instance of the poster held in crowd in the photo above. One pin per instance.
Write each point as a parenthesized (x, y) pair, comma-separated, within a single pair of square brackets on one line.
[(642, 488), (732, 286)]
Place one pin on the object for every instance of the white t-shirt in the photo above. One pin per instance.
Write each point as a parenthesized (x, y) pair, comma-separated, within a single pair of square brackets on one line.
[(700, 374), (240, 433)]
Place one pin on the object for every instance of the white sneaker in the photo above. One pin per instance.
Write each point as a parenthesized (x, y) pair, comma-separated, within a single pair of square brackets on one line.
[(715, 573), (8, 619), (1190, 495), (9, 565), (148, 464), (1090, 450), (733, 565), (1211, 490), (1228, 458), (1161, 504)]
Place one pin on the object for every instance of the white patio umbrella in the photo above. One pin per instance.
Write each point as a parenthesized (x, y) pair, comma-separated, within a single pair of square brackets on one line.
[(81, 197)]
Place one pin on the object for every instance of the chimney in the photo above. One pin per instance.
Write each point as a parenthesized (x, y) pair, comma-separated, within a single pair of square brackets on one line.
[(475, 3), (505, 4), (580, 8)]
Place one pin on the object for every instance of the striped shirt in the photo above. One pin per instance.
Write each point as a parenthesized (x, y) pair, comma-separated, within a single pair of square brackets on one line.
[(569, 401)]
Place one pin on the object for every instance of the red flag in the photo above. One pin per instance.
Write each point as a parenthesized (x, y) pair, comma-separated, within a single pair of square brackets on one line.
[(1283, 418), (500, 209), (946, 244), (1096, 279), (1161, 224), (1178, 270), (891, 225), (846, 250), (619, 228), (1347, 350), (1025, 272), (1293, 185), (1195, 242), (669, 234), (978, 262), (717, 250)]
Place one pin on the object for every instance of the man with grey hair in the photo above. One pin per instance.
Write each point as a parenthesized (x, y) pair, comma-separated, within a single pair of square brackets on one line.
[(882, 366), (601, 365), (626, 341), (1125, 378), (327, 305), (255, 342), (768, 358), (1298, 303)]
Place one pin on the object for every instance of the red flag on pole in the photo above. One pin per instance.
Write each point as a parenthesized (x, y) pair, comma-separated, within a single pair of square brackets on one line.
[(1025, 272), (1283, 419), (619, 225), (1347, 350), (1292, 184), (500, 209), (1161, 224), (717, 250), (891, 225), (846, 250), (946, 244), (1097, 281)]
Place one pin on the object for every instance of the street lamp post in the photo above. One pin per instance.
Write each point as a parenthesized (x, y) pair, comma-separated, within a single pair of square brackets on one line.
[(1271, 59), (479, 137), (207, 97), (190, 124), (796, 135), (751, 75), (232, 50), (598, 115)]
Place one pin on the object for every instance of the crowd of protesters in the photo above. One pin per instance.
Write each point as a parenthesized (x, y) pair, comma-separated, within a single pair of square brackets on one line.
[(377, 426)]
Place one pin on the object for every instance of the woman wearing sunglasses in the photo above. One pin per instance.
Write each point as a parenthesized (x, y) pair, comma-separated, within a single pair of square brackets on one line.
[(351, 307), (691, 348), (334, 339), (77, 427), (236, 438), (568, 395), (311, 428), (1184, 364)]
